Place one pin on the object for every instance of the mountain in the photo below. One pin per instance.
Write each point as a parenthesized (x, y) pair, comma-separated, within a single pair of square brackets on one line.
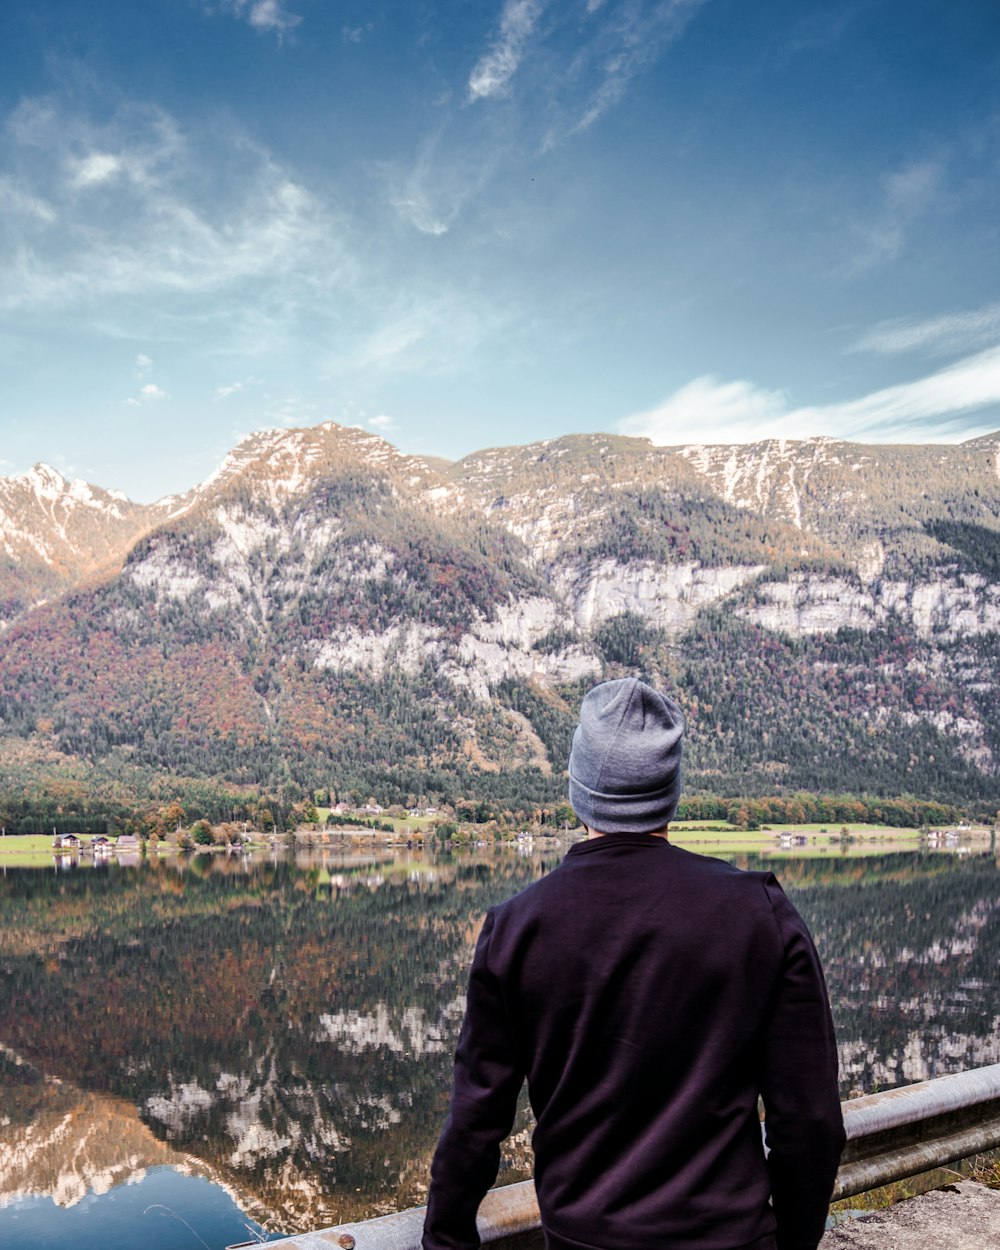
[(56, 534), (325, 611)]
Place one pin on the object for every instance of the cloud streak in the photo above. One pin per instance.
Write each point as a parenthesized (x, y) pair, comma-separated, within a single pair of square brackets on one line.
[(937, 408), (589, 64), (943, 336), (633, 37), (493, 71)]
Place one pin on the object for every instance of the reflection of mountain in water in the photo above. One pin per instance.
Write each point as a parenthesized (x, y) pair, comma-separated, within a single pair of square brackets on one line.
[(63, 1143), (293, 1029), (413, 1034)]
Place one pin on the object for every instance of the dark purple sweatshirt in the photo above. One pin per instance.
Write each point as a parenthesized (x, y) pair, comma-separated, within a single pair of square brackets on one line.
[(649, 996)]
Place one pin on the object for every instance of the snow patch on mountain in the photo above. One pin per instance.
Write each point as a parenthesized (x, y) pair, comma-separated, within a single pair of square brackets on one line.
[(761, 474)]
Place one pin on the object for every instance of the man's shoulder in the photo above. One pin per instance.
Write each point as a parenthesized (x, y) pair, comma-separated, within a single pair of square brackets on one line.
[(529, 897), (674, 870)]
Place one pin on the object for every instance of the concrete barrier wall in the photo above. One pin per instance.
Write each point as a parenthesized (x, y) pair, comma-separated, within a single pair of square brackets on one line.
[(890, 1136)]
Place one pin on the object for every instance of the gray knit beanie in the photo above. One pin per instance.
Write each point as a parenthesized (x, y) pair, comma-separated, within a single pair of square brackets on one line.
[(625, 765)]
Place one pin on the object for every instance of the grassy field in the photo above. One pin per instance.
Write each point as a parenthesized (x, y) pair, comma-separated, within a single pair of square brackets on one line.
[(401, 824), (26, 850), (34, 850), (820, 840), (832, 829)]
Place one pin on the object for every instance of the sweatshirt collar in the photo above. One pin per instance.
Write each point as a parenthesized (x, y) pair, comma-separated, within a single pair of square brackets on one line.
[(609, 841)]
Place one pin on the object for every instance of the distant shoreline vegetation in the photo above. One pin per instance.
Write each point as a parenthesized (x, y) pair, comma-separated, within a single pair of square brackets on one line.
[(219, 818)]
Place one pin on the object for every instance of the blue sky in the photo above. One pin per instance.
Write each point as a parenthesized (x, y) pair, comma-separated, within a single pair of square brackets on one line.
[(464, 223)]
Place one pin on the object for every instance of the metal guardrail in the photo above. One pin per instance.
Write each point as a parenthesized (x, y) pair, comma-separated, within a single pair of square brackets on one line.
[(901, 1132), (890, 1136)]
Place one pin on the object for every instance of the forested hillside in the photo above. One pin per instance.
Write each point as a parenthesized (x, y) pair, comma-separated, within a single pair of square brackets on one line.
[(327, 613)]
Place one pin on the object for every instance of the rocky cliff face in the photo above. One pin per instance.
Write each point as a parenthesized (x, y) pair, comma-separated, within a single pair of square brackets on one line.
[(948, 608)]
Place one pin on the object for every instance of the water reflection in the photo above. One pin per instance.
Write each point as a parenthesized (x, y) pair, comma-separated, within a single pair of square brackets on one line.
[(284, 1028)]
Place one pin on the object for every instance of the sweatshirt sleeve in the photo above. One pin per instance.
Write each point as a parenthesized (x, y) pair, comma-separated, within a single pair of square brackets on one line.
[(487, 1081), (804, 1125)]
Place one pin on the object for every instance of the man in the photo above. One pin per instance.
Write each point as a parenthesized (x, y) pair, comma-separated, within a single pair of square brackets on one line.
[(649, 996)]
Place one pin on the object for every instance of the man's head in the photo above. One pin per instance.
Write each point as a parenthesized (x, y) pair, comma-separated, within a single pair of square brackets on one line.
[(625, 765)]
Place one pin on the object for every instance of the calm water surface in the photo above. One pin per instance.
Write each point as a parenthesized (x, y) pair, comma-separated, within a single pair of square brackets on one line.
[(195, 1052)]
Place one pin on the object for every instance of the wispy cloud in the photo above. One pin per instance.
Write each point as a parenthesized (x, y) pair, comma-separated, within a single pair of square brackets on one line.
[(939, 336), (234, 388), (148, 394), (727, 410), (418, 196), (139, 218), (382, 424), (431, 194), (392, 345), (95, 168), (588, 65), (940, 407), (428, 334), (290, 411), (266, 15), (493, 71), (17, 201), (203, 238), (223, 392), (564, 65), (905, 196), (630, 38), (815, 32)]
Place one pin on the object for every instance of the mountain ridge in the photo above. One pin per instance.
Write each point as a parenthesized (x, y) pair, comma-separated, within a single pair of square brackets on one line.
[(325, 609)]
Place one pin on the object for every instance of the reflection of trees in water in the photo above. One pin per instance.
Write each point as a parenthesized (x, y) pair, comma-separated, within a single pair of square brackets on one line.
[(294, 1028), (912, 957)]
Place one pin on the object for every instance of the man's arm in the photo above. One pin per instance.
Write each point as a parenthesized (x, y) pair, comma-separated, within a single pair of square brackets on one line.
[(805, 1129), (487, 1081)]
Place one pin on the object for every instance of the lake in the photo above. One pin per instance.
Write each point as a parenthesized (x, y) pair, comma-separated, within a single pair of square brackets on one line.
[(195, 1052)]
